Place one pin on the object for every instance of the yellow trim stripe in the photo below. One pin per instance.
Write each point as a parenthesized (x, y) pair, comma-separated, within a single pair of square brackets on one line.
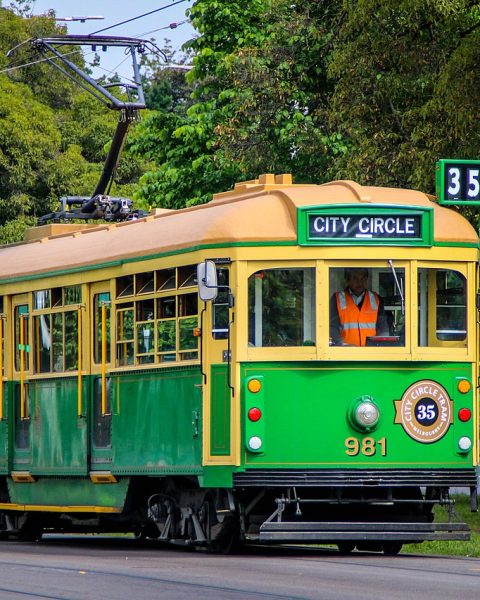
[(63, 509)]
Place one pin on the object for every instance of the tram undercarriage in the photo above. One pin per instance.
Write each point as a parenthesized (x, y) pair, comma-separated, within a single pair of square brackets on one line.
[(174, 510)]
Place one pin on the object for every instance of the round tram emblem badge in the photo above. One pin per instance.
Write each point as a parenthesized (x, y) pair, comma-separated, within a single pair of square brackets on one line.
[(425, 411)]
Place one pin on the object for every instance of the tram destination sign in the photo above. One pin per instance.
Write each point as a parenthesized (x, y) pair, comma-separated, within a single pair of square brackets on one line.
[(375, 225), (458, 182)]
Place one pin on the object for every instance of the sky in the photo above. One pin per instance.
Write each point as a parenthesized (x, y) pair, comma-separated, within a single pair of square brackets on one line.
[(115, 11)]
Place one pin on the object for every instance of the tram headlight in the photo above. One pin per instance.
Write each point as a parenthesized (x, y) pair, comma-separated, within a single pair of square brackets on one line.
[(364, 415), (464, 444)]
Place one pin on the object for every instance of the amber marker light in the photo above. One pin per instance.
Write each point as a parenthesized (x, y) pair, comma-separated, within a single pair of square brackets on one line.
[(254, 386), (464, 414), (254, 414), (464, 386)]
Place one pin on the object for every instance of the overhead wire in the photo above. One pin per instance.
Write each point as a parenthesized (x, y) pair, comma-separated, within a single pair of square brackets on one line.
[(138, 17), (170, 26)]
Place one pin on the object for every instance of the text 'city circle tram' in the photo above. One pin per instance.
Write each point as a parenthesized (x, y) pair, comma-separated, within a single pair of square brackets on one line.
[(286, 363)]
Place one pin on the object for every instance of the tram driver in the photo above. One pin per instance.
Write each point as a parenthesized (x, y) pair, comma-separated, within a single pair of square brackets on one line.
[(356, 313)]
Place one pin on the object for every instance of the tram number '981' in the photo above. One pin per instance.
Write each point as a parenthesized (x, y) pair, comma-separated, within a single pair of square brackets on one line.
[(367, 446)]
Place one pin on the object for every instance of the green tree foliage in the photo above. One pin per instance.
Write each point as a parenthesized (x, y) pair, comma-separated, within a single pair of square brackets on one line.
[(182, 143), (371, 90), (279, 93), (260, 91), (406, 88)]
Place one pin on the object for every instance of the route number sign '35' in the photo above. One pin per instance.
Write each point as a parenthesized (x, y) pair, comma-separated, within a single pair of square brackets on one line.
[(458, 181)]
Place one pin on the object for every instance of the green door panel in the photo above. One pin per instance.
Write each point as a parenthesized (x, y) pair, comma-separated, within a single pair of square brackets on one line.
[(220, 412), (156, 421), (58, 435)]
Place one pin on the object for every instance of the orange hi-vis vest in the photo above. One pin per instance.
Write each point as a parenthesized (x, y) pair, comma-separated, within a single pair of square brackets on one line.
[(357, 323)]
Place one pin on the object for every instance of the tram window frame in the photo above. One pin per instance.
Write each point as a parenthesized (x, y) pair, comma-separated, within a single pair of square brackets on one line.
[(302, 327), (166, 316), (98, 300), (221, 306), (430, 293), (125, 344), (55, 341), (381, 280), (21, 309)]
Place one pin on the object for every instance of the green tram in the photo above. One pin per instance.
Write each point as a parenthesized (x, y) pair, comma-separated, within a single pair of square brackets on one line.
[(187, 376)]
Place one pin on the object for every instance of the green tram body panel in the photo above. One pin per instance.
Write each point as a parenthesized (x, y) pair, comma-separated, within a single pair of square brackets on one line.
[(52, 440), (69, 492), (305, 424), (154, 426), (156, 421)]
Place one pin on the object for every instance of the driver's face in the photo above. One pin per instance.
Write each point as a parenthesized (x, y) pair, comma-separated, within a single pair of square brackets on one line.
[(358, 281)]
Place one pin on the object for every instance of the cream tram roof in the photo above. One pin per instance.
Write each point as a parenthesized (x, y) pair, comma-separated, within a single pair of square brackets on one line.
[(255, 211)]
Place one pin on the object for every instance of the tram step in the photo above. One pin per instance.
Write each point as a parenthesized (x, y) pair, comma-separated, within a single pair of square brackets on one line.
[(286, 531)]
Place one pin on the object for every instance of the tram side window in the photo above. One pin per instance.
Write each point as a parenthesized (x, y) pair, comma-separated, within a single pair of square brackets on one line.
[(159, 322), (366, 306), (220, 307), (22, 354), (125, 335), (281, 307), (442, 308), (55, 329), (100, 301)]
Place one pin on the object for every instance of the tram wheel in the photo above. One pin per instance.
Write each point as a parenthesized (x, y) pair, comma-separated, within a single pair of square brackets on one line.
[(391, 548), (23, 527), (223, 537), (227, 539)]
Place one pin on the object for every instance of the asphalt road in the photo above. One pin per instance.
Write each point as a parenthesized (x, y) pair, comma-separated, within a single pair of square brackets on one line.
[(106, 569)]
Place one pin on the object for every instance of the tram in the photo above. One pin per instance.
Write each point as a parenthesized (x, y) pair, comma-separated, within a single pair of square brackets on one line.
[(188, 376)]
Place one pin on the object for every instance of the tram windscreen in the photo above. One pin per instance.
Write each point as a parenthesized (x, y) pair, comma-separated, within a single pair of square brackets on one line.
[(366, 307)]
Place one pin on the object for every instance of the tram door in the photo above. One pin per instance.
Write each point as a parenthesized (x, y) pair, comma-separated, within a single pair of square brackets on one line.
[(217, 359), (49, 428), (22, 405), (101, 392)]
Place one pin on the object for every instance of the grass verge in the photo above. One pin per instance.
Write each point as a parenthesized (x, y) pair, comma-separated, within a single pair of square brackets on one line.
[(470, 548)]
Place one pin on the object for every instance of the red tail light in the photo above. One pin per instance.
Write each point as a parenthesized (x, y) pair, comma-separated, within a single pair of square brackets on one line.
[(254, 414), (464, 414)]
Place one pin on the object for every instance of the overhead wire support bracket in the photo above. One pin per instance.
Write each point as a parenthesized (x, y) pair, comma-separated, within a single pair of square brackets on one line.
[(133, 45)]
